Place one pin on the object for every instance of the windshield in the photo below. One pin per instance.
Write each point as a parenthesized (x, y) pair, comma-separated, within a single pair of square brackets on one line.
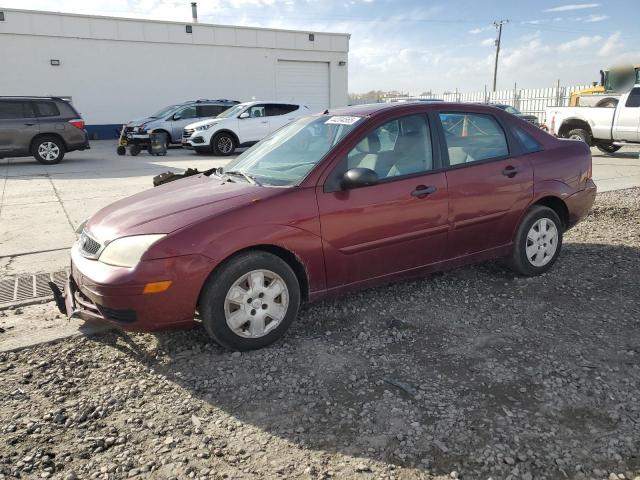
[(232, 111), (286, 157), (164, 111)]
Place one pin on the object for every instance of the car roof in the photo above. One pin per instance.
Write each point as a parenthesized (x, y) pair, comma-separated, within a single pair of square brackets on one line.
[(28, 97), (371, 109)]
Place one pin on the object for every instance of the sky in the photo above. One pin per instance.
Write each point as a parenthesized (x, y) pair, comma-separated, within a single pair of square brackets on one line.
[(420, 45)]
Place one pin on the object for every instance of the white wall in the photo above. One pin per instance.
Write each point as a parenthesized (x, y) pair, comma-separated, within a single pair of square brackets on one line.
[(116, 70)]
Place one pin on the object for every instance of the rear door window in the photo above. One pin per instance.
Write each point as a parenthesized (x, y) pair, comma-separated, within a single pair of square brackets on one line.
[(9, 110), (472, 137), (210, 110), (47, 109), (634, 98), (275, 109)]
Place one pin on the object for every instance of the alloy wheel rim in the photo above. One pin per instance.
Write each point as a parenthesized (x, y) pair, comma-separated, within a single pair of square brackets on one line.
[(48, 151), (575, 137), (225, 144), (256, 303), (542, 242)]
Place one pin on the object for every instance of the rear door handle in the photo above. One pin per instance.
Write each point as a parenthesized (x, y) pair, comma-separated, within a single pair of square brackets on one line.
[(29, 124), (510, 171), (422, 191), (264, 122)]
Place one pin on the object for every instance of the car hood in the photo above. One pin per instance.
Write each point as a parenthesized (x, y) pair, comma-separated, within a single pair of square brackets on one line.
[(172, 206), (141, 122), (206, 121)]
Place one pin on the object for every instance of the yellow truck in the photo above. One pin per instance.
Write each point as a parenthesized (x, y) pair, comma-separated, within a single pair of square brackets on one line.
[(613, 82)]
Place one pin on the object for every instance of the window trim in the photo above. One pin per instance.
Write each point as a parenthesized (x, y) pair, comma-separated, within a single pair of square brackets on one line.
[(329, 187), (512, 146)]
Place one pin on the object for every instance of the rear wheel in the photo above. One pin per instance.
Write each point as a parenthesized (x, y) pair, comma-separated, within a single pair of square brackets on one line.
[(580, 134), (538, 241), (135, 150), (48, 150), (223, 144), (608, 147), (250, 302)]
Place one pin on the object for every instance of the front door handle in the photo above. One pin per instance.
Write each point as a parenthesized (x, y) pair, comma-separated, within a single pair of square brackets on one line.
[(510, 171), (29, 124), (264, 122), (423, 191)]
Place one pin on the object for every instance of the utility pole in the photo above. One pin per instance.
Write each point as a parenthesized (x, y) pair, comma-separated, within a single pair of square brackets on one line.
[(498, 24)]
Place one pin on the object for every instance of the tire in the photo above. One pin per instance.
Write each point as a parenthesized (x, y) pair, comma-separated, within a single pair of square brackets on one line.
[(48, 150), (243, 279), (134, 150), (608, 147), (121, 150), (579, 134), (165, 139), (223, 144), (525, 242)]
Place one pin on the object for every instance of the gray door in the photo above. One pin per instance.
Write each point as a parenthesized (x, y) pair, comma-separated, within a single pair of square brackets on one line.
[(181, 119), (18, 126)]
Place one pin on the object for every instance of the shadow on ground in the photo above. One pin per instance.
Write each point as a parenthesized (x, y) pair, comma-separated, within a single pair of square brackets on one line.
[(472, 370)]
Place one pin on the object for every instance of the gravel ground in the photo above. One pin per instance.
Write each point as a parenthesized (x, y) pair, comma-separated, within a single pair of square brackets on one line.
[(471, 373)]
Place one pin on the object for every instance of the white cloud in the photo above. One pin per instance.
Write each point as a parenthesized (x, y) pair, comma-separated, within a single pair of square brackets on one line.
[(488, 42), (475, 31), (581, 42), (572, 6), (594, 18), (612, 46)]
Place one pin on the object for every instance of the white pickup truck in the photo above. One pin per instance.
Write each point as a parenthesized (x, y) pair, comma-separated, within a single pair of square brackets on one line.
[(606, 128)]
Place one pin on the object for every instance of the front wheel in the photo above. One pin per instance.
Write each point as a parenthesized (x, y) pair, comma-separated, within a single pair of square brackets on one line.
[(48, 150), (580, 134), (608, 147), (223, 144), (538, 242), (250, 302)]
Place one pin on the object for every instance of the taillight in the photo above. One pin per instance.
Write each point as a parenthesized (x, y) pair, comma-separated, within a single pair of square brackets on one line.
[(78, 123)]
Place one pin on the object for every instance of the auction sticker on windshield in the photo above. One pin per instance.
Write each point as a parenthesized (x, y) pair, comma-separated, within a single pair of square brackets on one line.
[(342, 120)]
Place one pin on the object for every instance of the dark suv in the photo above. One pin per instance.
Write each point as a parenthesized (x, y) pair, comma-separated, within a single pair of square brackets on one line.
[(45, 127)]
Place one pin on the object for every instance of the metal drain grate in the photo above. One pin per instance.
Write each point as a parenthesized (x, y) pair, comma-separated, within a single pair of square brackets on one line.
[(25, 289)]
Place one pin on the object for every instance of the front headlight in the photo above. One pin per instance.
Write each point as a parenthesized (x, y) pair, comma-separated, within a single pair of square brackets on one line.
[(81, 226), (127, 251), (205, 127)]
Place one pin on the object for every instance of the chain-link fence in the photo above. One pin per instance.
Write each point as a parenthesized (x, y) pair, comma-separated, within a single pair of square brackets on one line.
[(528, 100)]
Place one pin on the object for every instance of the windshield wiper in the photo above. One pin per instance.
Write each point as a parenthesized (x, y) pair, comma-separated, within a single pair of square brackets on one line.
[(249, 178)]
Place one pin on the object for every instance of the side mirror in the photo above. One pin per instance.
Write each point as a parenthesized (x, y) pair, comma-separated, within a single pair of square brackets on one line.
[(177, 116), (359, 177), (244, 115)]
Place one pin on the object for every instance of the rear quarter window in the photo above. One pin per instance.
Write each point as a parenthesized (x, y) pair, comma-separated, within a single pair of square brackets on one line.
[(528, 143)]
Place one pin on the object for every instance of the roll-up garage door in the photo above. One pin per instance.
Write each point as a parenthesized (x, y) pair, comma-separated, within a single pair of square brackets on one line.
[(303, 82)]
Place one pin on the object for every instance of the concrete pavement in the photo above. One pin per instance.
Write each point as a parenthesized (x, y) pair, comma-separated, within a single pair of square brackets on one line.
[(41, 206)]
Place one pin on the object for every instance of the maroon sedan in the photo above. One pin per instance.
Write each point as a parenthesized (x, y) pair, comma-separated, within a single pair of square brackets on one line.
[(330, 203)]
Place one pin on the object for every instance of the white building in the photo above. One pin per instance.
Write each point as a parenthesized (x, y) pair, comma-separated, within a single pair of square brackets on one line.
[(118, 69)]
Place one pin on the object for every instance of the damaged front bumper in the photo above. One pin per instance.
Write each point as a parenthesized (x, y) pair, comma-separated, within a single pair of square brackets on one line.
[(115, 295)]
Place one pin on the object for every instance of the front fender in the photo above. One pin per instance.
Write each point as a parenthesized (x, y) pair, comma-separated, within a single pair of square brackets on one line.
[(306, 246)]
